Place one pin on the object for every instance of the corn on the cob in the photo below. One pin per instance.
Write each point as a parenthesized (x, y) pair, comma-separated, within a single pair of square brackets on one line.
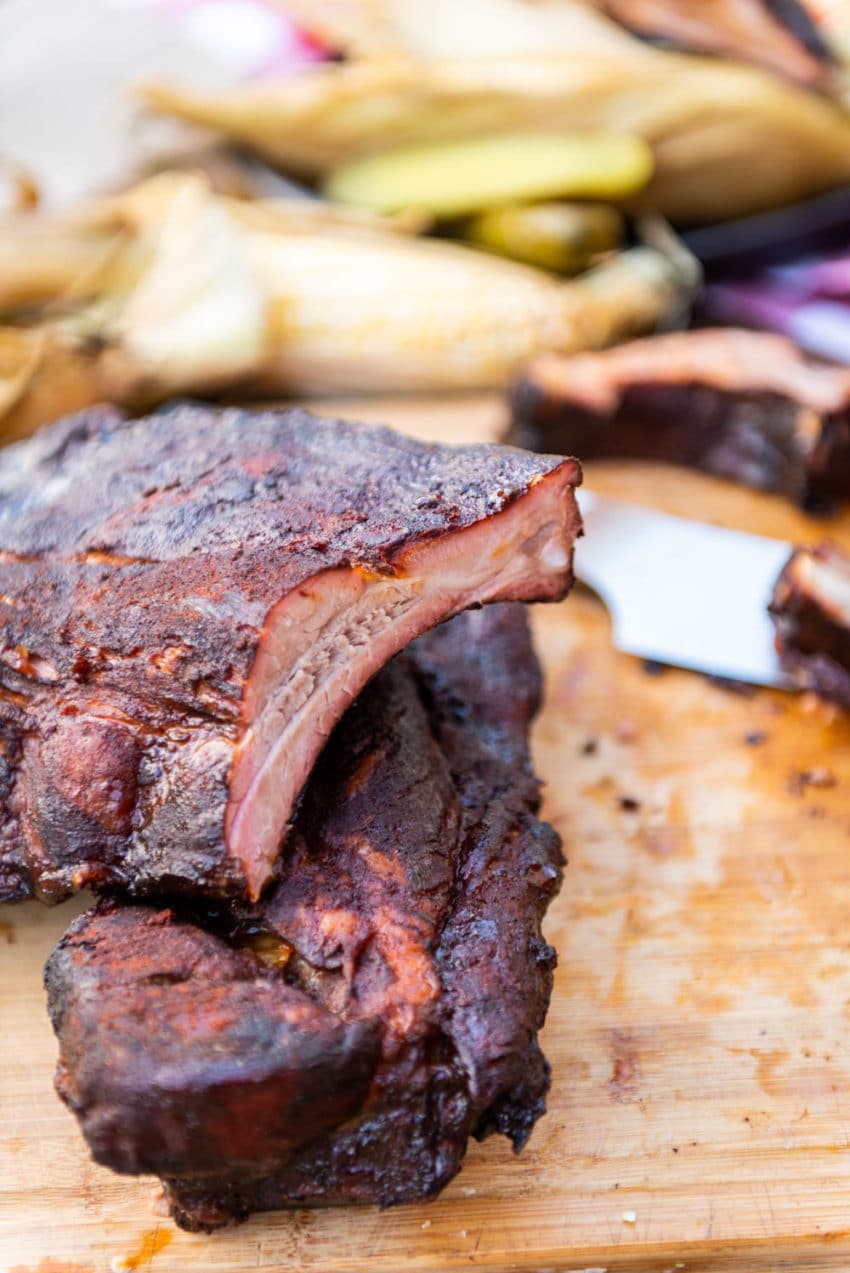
[(395, 315), (727, 139), (204, 293)]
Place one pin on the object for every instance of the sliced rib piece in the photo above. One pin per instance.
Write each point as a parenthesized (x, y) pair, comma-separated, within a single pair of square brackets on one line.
[(408, 911), (742, 405), (811, 611), (189, 602)]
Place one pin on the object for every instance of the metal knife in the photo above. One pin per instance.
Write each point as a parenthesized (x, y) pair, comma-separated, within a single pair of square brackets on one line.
[(683, 592)]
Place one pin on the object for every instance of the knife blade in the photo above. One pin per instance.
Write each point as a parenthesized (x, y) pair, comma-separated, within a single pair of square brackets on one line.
[(683, 592)]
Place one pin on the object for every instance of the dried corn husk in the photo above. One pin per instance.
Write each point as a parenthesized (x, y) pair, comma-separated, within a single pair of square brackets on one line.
[(64, 261), (757, 31), (44, 374), (442, 28), (40, 261), (198, 293), (728, 139)]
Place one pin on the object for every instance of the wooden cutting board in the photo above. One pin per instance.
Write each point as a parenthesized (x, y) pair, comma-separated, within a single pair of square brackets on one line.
[(700, 1028)]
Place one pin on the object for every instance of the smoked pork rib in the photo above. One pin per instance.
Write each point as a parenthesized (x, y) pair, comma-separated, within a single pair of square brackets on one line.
[(810, 608), (406, 925), (741, 405), (189, 602)]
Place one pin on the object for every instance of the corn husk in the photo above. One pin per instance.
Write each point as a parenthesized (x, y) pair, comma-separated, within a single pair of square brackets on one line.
[(200, 294), (44, 373), (727, 139), (744, 30), (62, 262), (40, 261), (366, 29)]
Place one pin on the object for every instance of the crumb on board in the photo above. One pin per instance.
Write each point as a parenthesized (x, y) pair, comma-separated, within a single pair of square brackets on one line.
[(629, 1217), (426, 1224), (819, 777), (629, 804)]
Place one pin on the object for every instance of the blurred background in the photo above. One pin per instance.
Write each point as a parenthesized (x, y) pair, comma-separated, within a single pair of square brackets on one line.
[(273, 198)]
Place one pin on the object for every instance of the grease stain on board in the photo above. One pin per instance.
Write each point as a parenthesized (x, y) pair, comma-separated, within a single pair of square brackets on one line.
[(766, 1061), (625, 1068), (150, 1244)]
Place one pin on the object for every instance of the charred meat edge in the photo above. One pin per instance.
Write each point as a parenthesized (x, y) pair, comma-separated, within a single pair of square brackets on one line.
[(742, 405), (810, 608), (339, 1040), (189, 602), (356, 624)]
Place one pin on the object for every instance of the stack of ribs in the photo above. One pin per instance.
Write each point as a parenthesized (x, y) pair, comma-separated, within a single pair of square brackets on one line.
[(742, 405), (226, 705)]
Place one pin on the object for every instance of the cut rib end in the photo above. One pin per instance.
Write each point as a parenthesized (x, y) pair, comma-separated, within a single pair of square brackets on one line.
[(323, 642)]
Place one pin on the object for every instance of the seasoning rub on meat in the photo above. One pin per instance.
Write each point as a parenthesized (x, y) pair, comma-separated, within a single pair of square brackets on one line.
[(340, 1040), (742, 405), (189, 602)]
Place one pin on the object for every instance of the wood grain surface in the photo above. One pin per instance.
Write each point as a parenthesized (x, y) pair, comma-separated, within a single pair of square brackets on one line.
[(700, 1029)]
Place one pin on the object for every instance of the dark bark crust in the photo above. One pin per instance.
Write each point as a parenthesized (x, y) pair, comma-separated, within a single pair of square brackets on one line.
[(341, 1040), (811, 611), (761, 437), (139, 560)]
